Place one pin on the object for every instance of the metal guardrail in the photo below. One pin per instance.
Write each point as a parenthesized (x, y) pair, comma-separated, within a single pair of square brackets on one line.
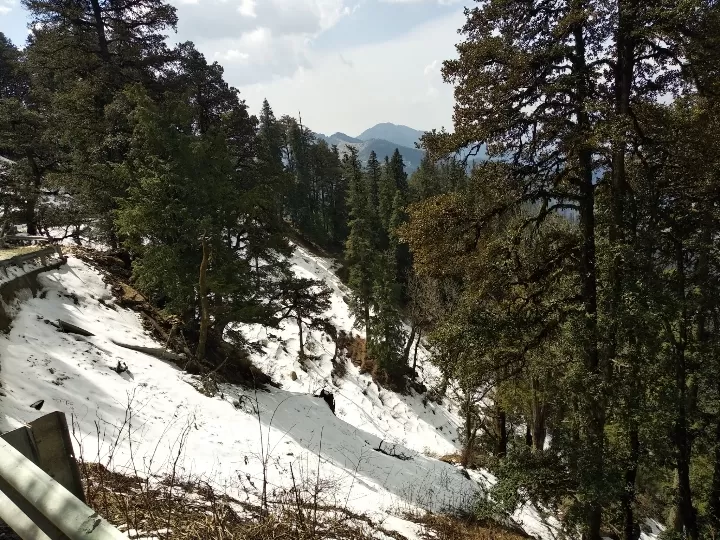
[(26, 238), (37, 507), (41, 254)]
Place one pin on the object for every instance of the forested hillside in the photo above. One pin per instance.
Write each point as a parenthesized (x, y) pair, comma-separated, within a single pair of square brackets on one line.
[(566, 288)]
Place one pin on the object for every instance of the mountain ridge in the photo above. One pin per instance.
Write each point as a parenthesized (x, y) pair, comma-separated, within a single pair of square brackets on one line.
[(371, 141)]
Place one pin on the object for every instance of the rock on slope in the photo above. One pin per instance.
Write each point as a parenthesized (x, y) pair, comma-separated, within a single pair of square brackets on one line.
[(371, 453)]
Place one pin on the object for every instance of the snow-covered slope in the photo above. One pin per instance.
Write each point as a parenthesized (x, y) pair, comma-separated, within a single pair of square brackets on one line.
[(359, 401), (375, 455)]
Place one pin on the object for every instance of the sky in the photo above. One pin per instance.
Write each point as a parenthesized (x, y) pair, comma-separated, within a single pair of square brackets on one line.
[(343, 65)]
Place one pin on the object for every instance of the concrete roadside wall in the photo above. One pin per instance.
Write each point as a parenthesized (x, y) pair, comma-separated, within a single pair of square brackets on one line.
[(18, 276)]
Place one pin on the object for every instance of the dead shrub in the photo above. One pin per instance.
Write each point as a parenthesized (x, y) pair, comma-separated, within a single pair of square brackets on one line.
[(355, 349), (452, 459)]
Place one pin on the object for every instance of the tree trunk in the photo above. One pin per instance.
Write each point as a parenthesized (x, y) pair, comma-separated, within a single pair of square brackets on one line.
[(417, 342), (539, 408), (204, 302), (528, 434), (594, 412), (623, 82), (300, 335), (683, 444), (100, 31), (113, 239), (408, 346), (629, 525), (501, 430), (469, 431), (32, 195), (366, 315)]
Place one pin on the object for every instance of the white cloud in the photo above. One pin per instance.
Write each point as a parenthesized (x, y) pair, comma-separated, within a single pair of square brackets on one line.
[(247, 8), (6, 6), (232, 55), (441, 2), (208, 20), (387, 83), (258, 40)]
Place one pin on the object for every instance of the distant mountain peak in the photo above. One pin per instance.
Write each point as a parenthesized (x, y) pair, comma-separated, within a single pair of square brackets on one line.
[(394, 133), (344, 137)]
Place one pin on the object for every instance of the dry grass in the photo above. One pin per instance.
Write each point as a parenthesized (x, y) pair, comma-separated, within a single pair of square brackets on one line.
[(452, 459), (442, 527), (7, 253), (183, 510), (180, 510)]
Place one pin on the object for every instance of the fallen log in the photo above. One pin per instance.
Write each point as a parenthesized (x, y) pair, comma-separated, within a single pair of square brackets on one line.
[(72, 329), (163, 334), (156, 352)]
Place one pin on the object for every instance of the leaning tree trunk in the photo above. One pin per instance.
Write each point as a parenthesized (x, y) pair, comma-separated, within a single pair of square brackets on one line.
[(417, 343), (300, 337), (408, 345), (204, 302)]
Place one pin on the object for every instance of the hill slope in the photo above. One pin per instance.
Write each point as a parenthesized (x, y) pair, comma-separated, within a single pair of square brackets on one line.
[(375, 452)]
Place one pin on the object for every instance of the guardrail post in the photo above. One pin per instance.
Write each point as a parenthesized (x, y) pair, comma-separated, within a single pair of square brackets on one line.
[(53, 510)]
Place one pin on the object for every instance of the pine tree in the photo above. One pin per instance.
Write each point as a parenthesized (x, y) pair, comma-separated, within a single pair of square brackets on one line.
[(305, 300), (14, 82), (403, 257), (386, 194), (385, 343), (374, 179), (423, 182), (359, 249), (397, 171), (24, 134), (81, 56)]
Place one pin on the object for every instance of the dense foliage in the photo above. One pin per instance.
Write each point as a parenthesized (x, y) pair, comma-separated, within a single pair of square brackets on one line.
[(578, 268)]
